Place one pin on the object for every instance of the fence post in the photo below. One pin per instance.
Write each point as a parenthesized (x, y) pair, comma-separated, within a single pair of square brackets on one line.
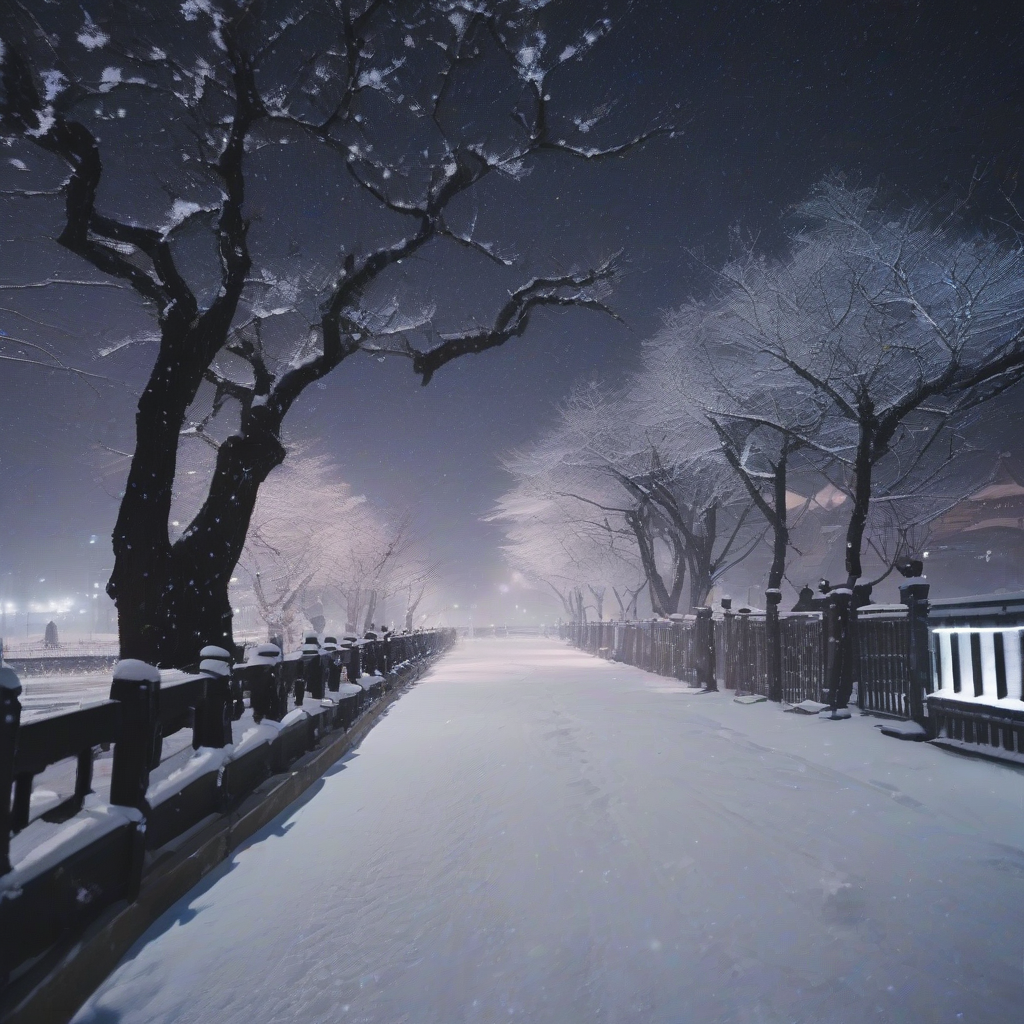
[(705, 644), (137, 686), (741, 660), (839, 663), (10, 719), (914, 594), (213, 716), (773, 644), (728, 615)]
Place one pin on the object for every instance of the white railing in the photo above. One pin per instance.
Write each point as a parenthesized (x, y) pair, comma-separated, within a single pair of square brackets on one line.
[(980, 665)]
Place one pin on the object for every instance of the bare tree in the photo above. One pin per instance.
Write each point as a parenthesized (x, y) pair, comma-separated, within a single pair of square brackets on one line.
[(219, 112), (566, 542), (900, 325), (418, 579), (307, 530), (373, 563), (692, 371), (680, 496)]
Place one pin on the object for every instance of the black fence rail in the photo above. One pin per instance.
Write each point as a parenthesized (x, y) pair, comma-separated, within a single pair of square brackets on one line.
[(745, 652), (731, 648), (62, 866), (803, 657), (954, 666), (883, 662), (683, 647)]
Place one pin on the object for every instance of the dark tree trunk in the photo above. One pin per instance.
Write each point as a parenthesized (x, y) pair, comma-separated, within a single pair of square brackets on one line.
[(841, 637), (143, 561), (172, 600), (664, 601), (700, 551), (776, 515), (773, 593), (410, 610), (371, 608), (579, 613), (353, 603)]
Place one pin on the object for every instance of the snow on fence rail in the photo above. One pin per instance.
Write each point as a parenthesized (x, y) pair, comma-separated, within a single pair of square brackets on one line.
[(63, 861)]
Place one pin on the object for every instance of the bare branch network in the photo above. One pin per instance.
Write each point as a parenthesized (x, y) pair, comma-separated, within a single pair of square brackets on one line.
[(186, 139), (828, 399)]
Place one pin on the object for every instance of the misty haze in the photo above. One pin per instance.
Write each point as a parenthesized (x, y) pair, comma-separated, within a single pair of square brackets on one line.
[(511, 509)]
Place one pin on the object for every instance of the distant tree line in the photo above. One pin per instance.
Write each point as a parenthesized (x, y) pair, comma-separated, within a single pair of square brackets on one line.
[(317, 553)]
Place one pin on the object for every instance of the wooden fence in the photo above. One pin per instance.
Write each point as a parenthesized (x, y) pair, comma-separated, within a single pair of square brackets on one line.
[(954, 666), (63, 861), (674, 648)]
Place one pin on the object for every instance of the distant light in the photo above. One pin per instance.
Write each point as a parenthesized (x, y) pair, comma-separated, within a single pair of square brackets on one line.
[(234, 579), (238, 611), (42, 579), (175, 523), (455, 606), (95, 586), (92, 539), (925, 555)]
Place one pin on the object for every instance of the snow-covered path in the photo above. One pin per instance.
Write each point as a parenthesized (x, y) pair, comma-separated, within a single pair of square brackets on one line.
[(532, 834)]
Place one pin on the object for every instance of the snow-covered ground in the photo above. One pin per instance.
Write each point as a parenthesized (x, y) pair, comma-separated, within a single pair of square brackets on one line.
[(535, 834)]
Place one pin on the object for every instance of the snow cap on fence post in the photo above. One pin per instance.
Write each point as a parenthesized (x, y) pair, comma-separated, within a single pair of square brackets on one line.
[(212, 653), (135, 671), (265, 654)]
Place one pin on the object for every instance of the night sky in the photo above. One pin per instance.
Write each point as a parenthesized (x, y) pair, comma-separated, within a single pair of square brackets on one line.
[(768, 97)]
